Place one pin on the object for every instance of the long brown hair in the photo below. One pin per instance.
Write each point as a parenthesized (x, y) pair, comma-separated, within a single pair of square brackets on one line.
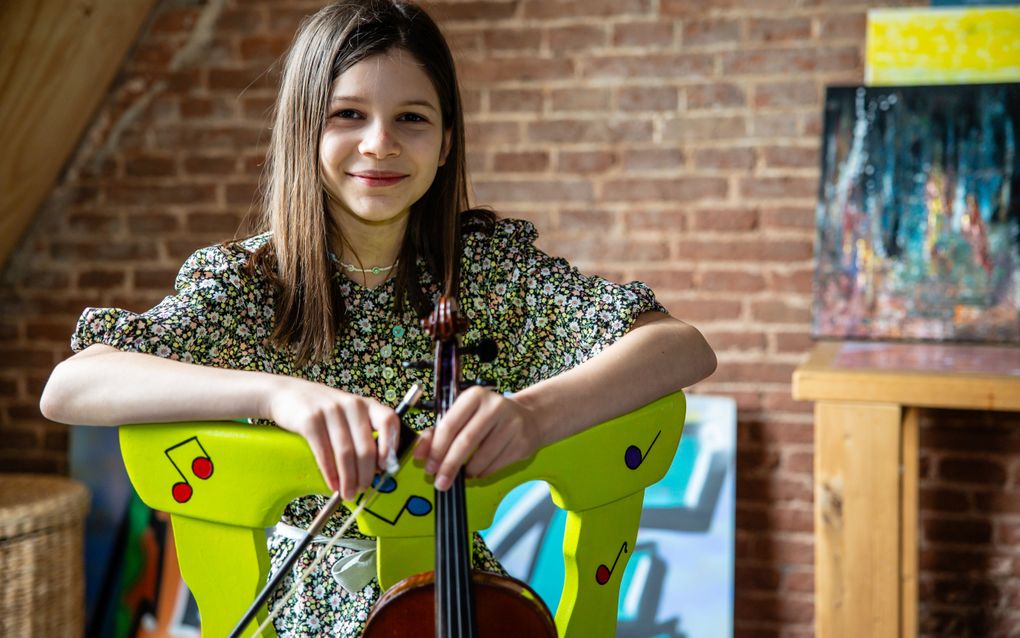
[(309, 307)]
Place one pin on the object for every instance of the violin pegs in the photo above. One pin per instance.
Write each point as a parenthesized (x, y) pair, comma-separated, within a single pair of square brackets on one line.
[(424, 364), (484, 383), (485, 349)]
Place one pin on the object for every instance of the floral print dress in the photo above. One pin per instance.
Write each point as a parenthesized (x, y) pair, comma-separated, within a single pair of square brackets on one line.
[(543, 314)]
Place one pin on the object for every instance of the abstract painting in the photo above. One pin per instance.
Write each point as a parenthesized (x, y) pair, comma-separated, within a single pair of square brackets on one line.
[(678, 582), (918, 219), (923, 46)]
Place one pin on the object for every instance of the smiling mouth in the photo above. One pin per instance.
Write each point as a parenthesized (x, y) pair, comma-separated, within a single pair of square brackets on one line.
[(378, 179)]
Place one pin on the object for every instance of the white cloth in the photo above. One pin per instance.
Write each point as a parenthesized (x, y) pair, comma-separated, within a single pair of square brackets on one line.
[(352, 572)]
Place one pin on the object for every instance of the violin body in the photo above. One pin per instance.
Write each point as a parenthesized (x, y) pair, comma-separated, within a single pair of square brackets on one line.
[(504, 606)]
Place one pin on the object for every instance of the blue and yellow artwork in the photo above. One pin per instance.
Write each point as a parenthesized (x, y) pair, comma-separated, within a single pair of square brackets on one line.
[(918, 219), (679, 579)]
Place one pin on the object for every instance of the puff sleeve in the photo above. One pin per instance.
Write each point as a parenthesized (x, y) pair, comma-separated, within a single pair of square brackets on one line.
[(200, 324), (546, 316)]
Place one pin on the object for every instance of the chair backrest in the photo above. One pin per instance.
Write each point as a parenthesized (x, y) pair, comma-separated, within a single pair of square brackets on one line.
[(224, 483)]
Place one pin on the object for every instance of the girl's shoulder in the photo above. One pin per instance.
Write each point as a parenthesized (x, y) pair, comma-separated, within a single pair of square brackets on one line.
[(229, 261), (499, 235)]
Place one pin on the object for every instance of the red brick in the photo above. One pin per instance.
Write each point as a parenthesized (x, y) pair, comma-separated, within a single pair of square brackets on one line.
[(725, 219), (982, 471), (679, 189), (778, 187), (703, 310), (578, 99), (212, 222), (512, 39), (531, 190), (715, 96), (793, 342), (843, 26), (100, 278), (643, 34), (775, 311), (12, 358), (739, 159), (957, 531), (93, 223), (787, 94), (585, 162), (243, 21), (586, 220), (515, 100), (521, 162), (656, 220), (778, 29), (758, 62), (639, 160), (707, 32), (159, 278), (741, 341), (802, 217), (647, 98), (576, 38), (585, 8), (175, 20), (791, 156), (657, 66), (691, 129), (152, 222), (211, 164), (261, 48), (665, 280), (473, 10), (590, 131), (130, 194), (492, 132), (514, 70), (730, 280)]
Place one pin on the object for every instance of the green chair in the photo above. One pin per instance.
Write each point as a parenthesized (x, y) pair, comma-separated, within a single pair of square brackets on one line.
[(224, 483)]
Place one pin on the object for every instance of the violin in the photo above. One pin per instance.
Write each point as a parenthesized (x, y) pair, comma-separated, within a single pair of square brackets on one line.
[(454, 601)]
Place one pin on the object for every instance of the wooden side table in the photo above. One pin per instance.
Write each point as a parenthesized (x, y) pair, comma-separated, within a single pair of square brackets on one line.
[(867, 398)]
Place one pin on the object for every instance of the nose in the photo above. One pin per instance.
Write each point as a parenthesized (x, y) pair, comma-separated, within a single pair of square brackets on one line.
[(379, 142)]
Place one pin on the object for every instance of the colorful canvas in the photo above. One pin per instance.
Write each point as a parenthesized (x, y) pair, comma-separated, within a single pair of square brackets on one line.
[(921, 46), (679, 580), (918, 221)]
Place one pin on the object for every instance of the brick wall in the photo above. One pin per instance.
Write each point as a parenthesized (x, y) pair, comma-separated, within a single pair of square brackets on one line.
[(668, 140)]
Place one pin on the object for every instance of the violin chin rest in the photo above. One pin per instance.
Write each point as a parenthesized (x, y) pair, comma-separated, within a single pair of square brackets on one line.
[(504, 606)]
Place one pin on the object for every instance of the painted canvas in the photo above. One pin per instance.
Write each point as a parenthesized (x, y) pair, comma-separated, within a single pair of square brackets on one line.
[(679, 580), (924, 46), (918, 220)]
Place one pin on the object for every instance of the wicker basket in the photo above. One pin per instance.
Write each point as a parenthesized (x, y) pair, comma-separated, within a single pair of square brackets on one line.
[(42, 590)]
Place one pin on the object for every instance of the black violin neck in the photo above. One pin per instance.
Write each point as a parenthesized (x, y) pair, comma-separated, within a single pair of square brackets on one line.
[(455, 616)]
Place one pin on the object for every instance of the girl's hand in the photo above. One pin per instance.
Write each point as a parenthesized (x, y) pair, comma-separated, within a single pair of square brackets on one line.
[(338, 427), (491, 430)]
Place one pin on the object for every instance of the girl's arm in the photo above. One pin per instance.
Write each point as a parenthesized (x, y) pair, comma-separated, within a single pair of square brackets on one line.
[(658, 356), (102, 385)]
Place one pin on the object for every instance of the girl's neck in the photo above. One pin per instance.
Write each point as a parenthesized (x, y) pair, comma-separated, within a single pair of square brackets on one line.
[(368, 246)]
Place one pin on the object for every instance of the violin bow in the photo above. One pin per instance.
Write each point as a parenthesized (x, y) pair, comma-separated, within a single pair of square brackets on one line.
[(407, 438)]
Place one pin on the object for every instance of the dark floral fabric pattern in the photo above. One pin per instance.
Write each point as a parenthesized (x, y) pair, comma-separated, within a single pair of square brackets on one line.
[(544, 315)]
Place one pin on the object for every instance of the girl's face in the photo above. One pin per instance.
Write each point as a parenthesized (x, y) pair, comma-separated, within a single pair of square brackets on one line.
[(383, 140)]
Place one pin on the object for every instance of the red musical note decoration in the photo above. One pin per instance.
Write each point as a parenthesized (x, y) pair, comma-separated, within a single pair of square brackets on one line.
[(201, 466), (633, 457), (603, 573)]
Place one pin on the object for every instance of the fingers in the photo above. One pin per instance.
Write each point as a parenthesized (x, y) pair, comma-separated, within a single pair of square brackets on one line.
[(343, 452), (490, 455), (386, 422), (319, 440)]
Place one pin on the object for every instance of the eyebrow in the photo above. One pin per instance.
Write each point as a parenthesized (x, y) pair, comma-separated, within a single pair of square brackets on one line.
[(355, 98)]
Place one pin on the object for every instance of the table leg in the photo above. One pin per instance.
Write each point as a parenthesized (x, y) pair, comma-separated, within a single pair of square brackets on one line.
[(858, 520), (908, 527)]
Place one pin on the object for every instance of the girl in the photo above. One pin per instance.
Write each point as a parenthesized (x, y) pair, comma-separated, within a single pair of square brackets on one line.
[(366, 222)]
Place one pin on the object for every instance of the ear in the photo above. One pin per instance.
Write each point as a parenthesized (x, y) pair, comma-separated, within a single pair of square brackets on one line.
[(445, 151)]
